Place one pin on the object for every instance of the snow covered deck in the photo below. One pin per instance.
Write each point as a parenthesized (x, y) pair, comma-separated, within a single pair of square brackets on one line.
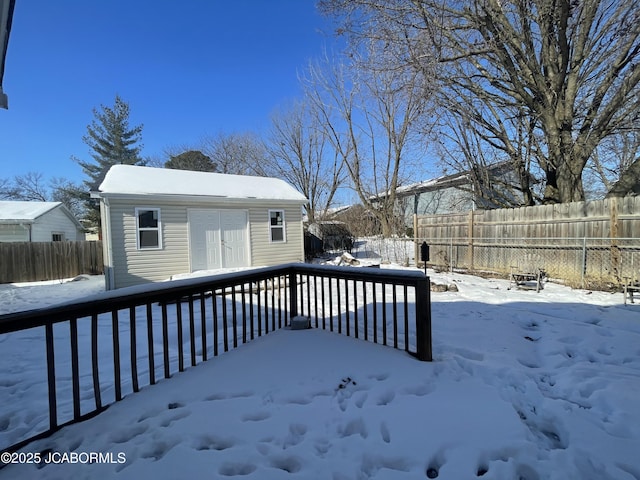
[(522, 386)]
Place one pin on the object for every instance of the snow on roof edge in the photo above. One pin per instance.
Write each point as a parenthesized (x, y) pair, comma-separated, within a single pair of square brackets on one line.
[(126, 180)]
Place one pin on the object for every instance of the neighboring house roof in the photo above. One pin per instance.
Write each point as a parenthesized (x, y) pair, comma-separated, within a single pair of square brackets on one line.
[(455, 179), (6, 16), (124, 180), (12, 212)]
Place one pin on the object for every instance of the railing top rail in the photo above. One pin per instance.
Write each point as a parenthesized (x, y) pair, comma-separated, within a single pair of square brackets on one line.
[(401, 277), (170, 291)]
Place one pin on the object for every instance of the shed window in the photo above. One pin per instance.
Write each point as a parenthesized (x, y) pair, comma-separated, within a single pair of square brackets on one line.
[(57, 237), (148, 228), (276, 225)]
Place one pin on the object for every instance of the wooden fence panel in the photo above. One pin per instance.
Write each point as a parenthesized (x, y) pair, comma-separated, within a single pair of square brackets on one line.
[(577, 241), (39, 261)]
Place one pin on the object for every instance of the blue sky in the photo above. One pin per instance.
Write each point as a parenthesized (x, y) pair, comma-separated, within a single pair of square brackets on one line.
[(187, 69)]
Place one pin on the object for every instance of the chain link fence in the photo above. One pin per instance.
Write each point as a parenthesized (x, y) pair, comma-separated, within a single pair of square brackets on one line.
[(595, 263)]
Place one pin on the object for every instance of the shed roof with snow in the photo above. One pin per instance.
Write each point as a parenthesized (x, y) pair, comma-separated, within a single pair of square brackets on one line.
[(134, 180)]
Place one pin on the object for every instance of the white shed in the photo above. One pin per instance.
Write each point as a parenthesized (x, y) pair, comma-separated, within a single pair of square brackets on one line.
[(160, 222), (38, 222)]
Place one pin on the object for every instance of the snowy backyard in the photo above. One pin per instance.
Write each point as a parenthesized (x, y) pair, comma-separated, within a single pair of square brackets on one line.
[(523, 385)]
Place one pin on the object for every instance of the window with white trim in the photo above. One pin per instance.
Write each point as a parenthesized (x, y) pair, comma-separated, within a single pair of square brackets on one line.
[(148, 228), (57, 236), (276, 226)]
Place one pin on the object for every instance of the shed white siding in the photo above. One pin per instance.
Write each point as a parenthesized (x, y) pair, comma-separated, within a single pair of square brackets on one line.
[(131, 266), (267, 253)]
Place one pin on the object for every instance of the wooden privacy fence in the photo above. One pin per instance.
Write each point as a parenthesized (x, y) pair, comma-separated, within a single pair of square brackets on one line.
[(95, 352), (584, 243), (38, 261)]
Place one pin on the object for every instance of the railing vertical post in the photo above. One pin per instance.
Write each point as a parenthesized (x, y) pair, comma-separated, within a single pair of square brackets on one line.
[(293, 294), (423, 320)]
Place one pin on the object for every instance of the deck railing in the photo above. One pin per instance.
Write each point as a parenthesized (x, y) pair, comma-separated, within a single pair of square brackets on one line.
[(103, 348)]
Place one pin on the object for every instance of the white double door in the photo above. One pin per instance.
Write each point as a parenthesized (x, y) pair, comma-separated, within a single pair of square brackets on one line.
[(218, 239)]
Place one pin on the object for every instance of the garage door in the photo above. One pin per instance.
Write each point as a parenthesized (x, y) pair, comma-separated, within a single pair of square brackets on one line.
[(218, 239)]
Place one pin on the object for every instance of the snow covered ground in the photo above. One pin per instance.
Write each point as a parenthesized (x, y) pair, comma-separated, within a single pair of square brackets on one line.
[(523, 385)]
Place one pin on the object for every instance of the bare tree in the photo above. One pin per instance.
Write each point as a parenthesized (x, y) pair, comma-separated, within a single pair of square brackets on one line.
[(371, 118), (235, 153), (32, 187), (300, 152), (7, 189), (496, 153), (571, 66)]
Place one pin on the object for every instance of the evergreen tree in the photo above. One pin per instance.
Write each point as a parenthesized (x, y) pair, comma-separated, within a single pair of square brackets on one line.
[(112, 142), (191, 160)]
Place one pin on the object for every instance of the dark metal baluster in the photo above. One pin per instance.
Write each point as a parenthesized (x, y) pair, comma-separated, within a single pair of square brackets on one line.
[(259, 308), (406, 320), (280, 302), (273, 304), (346, 301), (180, 339), (315, 297), (384, 313), (251, 311), (116, 355), (192, 332), (365, 310), (331, 304), (224, 320), (266, 307), (94, 361), (395, 316), (133, 348), (339, 306), (234, 316), (324, 317), (244, 313), (51, 377), (214, 314), (308, 296), (375, 314), (203, 326), (355, 307), (165, 341), (152, 363), (75, 375)]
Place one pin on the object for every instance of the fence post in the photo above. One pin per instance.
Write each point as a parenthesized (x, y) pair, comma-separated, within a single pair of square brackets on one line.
[(415, 238), (470, 241), (584, 261), (613, 229), (451, 255), (423, 320)]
